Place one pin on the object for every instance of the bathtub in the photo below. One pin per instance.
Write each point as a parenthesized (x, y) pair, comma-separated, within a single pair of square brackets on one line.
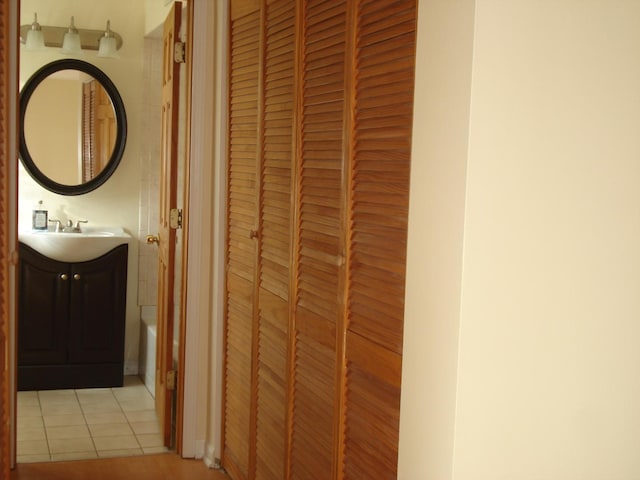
[(147, 362)]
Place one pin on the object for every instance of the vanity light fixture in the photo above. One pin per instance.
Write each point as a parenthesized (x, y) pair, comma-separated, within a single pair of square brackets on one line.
[(35, 37), (107, 47), (71, 40)]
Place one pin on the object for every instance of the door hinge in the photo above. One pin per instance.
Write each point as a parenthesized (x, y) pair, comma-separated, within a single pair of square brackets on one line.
[(179, 52), (171, 379), (175, 218)]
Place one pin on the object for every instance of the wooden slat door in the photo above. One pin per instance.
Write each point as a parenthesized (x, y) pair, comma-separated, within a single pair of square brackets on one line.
[(320, 246), (259, 237), (242, 233), (384, 58), (321, 95), (272, 332), (167, 235)]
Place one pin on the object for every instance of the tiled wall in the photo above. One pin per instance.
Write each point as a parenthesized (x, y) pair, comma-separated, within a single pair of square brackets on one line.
[(150, 173)]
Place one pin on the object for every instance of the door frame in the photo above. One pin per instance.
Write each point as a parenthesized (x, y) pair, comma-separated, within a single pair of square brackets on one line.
[(195, 317), (205, 233)]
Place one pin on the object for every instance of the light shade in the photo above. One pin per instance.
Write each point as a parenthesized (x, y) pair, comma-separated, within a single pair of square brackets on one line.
[(108, 47), (71, 43), (35, 38)]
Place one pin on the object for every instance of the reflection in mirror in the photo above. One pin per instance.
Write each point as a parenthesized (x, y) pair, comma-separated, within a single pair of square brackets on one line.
[(70, 127)]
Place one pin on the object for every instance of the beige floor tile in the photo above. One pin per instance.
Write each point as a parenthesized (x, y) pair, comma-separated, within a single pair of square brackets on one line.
[(131, 392), (65, 457), (31, 433), (57, 397), (28, 399), (95, 396), (32, 447), (145, 427), (137, 405), (129, 452), (29, 422), (130, 380), (70, 445), (110, 406), (110, 430), (29, 411), (33, 458), (116, 442), (67, 432), (147, 440), (142, 416), (61, 409), (102, 418), (64, 420)]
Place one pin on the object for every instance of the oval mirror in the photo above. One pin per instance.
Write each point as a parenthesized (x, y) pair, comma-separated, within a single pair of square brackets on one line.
[(73, 127)]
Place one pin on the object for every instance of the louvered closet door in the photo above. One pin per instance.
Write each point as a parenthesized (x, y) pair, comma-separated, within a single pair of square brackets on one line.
[(320, 241), (275, 240), (379, 183), (242, 224)]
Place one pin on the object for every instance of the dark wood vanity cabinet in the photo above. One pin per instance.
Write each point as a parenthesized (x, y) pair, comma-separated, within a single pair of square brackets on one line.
[(71, 321)]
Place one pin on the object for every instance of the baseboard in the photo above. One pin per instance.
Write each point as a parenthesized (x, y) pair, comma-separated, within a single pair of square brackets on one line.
[(130, 367), (199, 449)]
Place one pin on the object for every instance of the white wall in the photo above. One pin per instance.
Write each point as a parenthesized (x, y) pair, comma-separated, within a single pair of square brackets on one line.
[(116, 202), (436, 219), (548, 375)]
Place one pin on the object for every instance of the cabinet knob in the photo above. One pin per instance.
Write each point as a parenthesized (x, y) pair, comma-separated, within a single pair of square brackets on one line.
[(63, 276), (76, 276), (253, 234)]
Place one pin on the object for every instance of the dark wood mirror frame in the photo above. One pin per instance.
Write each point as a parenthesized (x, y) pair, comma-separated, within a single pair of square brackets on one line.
[(121, 121)]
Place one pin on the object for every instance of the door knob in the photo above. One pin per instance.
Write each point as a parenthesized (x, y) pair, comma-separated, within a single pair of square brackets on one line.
[(151, 239)]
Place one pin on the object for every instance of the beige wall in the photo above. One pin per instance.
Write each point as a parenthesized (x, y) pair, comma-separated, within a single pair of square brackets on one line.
[(53, 129), (544, 296)]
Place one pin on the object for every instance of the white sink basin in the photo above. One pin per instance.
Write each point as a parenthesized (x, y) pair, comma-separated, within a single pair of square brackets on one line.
[(91, 243)]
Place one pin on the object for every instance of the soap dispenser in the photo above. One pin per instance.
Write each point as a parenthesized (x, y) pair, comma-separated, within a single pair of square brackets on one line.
[(40, 220)]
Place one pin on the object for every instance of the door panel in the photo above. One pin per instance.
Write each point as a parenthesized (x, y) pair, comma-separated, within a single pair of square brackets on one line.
[(242, 235), (320, 241), (379, 185), (271, 374), (167, 235)]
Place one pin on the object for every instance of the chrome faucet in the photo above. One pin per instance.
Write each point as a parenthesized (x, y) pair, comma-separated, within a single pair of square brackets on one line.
[(58, 224), (71, 229)]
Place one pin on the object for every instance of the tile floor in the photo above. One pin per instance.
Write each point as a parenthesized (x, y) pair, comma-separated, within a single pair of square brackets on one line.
[(56, 425)]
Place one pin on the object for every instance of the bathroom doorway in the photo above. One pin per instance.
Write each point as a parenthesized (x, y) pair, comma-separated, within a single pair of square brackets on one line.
[(88, 402)]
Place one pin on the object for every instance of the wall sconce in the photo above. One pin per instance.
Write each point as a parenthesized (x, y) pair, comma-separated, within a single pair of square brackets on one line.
[(108, 44), (70, 39), (34, 39)]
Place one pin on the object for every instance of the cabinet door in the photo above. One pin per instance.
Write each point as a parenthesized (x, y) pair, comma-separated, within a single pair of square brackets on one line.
[(98, 308), (42, 309)]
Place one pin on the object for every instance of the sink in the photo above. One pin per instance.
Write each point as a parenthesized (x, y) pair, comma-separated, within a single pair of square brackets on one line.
[(88, 244)]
